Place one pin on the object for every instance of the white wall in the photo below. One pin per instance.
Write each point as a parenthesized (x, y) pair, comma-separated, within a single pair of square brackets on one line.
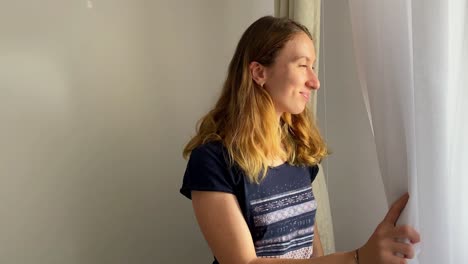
[(96, 105), (355, 186)]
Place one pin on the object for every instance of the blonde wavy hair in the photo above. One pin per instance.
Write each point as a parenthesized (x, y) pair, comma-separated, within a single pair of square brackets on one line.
[(244, 118)]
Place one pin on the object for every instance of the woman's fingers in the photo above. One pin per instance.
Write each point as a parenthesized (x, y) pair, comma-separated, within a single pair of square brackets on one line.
[(386, 245), (403, 249), (396, 209), (406, 232)]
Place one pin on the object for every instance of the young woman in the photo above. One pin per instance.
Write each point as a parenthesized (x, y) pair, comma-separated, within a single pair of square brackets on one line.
[(255, 156)]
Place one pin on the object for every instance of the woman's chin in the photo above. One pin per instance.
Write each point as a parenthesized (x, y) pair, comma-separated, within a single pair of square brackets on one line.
[(297, 111)]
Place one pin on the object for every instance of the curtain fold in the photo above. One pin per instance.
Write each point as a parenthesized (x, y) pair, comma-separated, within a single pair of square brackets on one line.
[(307, 12), (412, 63)]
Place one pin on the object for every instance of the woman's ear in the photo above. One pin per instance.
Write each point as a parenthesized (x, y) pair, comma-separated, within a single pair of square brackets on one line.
[(258, 72)]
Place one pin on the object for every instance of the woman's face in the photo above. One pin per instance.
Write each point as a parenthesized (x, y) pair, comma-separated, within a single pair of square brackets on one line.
[(291, 78)]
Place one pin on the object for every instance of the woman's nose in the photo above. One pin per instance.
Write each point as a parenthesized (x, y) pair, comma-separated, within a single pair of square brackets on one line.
[(313, 82)]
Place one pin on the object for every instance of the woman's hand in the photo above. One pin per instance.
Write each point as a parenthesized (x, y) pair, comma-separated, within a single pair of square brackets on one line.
[(385, 246)]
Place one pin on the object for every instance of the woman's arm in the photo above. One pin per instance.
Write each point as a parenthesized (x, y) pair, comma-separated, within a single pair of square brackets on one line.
[(317, 244), (223, 226)]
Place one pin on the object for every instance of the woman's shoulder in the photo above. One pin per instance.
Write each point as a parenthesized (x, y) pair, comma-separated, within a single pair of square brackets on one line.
[(212, 150), (208, 170), (211, 147)]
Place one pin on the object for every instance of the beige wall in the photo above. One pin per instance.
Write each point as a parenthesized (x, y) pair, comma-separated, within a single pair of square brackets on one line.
[(95, 107)]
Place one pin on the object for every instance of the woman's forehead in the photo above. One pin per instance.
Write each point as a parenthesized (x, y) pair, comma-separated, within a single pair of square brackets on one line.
[(299, 47)]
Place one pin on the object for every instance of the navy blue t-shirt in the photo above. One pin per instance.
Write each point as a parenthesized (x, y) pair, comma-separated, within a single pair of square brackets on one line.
[(280, 211)]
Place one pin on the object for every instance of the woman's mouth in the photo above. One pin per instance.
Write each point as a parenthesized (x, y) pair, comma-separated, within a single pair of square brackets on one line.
[(305, 94)]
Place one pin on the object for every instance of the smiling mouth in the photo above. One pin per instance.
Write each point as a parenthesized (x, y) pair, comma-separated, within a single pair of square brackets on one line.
[(306, 95)]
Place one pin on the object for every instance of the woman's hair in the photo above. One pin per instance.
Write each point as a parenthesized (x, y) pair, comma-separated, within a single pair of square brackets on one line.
[(244, 118)]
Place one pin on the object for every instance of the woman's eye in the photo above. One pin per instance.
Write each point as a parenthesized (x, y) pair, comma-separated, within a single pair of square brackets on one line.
[(303, 66)]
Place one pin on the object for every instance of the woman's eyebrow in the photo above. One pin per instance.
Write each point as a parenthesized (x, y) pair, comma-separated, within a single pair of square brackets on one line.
[(301, 57)]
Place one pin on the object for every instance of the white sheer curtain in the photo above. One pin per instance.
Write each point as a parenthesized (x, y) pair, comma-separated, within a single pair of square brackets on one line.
[(412, 62)]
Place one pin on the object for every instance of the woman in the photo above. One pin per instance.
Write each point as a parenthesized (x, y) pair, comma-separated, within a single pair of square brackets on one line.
[(255, 156)]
